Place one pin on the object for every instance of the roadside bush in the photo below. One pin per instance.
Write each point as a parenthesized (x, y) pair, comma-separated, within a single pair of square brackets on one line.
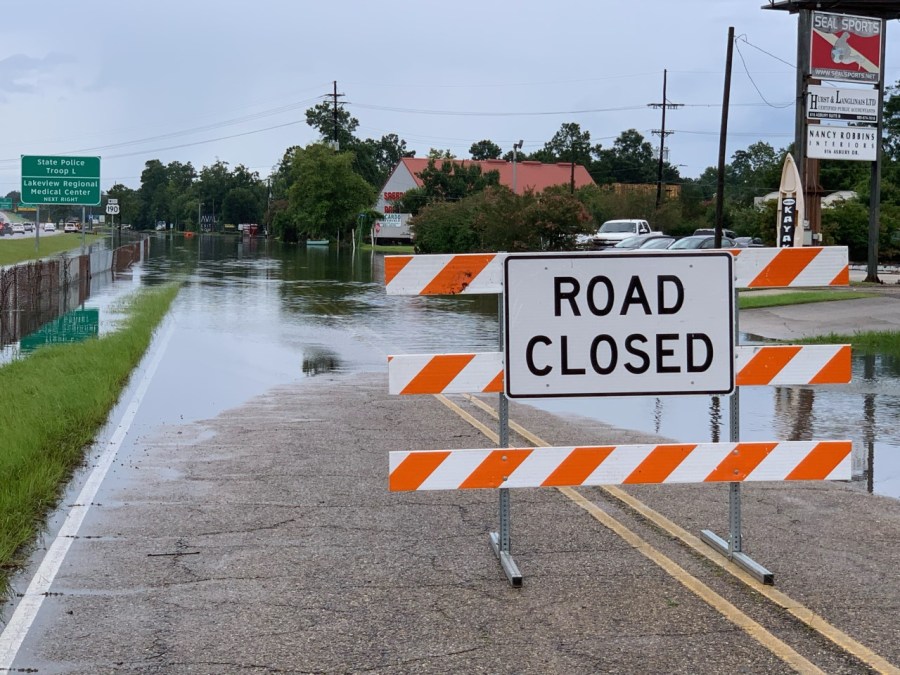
[(498, 220), (444, 227)]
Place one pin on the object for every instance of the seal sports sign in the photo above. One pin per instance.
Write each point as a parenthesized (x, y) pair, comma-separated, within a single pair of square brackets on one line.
[(846, 48)]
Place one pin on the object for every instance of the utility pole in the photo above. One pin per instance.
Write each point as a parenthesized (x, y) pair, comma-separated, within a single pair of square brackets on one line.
[(723, 137), (334, 96), (662, 133)]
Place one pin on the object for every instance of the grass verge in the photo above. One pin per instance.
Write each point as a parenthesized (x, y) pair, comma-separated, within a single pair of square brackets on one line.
[(14, 251), (388, 249), (756, 300), (54, 403)]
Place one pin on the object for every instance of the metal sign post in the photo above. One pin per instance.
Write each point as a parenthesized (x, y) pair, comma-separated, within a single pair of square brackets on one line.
[(732, 548), (500, 541)]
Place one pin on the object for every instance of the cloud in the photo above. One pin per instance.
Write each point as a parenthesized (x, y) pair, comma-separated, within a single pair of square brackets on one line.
[(21, 74)]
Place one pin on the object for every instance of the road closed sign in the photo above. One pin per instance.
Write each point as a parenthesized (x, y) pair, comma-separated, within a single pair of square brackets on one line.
[(619, 324)]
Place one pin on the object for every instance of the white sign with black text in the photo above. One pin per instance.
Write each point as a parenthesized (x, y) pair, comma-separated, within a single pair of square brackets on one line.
[(854, 143), (842, 103), (618, 324)]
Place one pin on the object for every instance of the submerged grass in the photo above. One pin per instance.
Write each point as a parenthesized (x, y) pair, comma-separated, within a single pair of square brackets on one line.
[(54, 403), (870, 342), (19, 250)]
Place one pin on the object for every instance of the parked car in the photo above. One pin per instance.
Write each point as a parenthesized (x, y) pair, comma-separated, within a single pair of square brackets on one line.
[(638, 241), (656, 243), (749, 242), (18, 228), (711, 231), (48, 227), (701, 241), (613, 231)]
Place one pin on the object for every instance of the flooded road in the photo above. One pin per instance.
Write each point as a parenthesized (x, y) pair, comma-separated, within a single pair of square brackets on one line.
[(253, 315)]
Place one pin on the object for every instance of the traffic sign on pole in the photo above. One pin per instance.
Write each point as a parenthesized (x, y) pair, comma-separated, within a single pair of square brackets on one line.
[(112, 209), (61, 180)]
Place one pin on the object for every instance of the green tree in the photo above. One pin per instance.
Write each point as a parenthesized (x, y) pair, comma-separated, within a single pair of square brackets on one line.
[(755, 171), (569, 144), (891, 120), (326, 194), (630, 160), (485, 150), (437, 153), (241, 205), (323, 117), (455, 180)]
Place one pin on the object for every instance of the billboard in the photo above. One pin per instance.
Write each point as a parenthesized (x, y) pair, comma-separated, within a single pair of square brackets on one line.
[(845, 48)]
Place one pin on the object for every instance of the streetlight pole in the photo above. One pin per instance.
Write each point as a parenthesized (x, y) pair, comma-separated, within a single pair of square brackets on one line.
[(516, 146)]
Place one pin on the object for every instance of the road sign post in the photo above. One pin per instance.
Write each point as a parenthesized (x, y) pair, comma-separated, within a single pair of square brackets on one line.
[(71, 181)]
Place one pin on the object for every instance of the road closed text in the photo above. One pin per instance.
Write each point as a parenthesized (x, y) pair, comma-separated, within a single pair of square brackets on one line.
[(619, 324)]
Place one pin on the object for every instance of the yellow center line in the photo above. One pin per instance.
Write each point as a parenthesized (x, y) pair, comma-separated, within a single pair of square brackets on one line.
[(799, 611)]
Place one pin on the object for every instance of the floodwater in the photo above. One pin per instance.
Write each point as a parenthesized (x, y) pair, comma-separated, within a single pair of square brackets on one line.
[(254, 314)]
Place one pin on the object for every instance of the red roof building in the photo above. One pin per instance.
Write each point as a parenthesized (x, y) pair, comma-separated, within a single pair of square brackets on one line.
[(528, 175)]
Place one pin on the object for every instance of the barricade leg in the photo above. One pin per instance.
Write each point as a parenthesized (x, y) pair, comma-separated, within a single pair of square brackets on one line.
[(732, 548), (500, 541)]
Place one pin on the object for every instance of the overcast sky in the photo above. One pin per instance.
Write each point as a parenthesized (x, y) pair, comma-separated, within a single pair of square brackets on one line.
[(201, 80)]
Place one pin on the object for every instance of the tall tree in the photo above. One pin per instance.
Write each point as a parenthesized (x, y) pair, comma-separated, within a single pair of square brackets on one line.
[(326, 195), (485, 150), (891, 118), (569, 144), (629, 160), (756, 171), (322, 116)]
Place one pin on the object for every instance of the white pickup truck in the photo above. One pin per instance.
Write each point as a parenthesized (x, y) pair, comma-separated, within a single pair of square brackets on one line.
[(613, 231)]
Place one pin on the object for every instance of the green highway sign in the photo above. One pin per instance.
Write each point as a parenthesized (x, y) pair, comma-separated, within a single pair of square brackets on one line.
[(61, 180), (78, 325), (5, 203)]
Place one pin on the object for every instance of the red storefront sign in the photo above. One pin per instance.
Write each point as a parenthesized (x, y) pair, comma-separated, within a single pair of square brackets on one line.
[(846, 48)]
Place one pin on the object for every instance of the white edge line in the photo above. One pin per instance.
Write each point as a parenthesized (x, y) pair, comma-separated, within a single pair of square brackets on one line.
[(26, 611)]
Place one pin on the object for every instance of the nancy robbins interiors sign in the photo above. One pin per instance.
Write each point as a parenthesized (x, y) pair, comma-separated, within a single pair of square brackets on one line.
[(613, 324), (61, 180), (833, 142)]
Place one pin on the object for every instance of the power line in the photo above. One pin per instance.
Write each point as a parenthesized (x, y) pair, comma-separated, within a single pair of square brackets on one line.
[(753, 82)]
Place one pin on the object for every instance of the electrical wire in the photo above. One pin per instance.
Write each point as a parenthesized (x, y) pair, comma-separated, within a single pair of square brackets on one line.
[(753, 82)]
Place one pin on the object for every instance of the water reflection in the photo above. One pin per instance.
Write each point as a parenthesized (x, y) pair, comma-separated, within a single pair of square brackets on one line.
[(318, 361)]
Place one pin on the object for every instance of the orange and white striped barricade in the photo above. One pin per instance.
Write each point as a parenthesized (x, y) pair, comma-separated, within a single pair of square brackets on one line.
[(582, 466), (482, 273), (482, 372), (754, 365)]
